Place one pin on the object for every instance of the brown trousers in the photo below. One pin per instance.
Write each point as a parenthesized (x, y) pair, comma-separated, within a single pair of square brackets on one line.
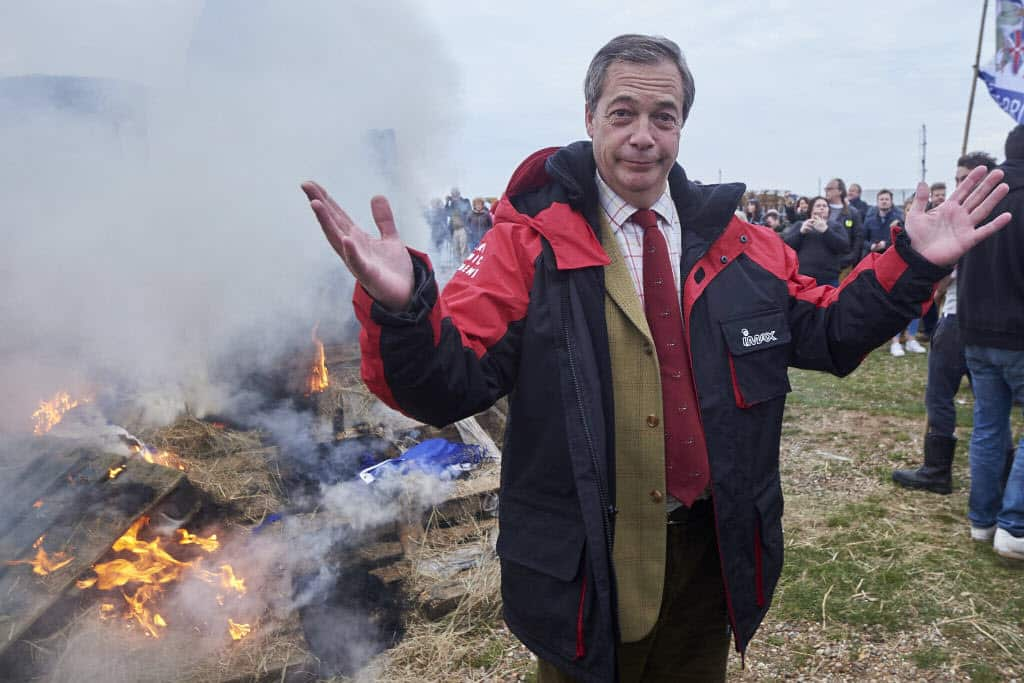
[(690, 640)]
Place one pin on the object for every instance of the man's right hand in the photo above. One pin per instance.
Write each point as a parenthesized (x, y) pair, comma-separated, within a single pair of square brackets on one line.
[(382, 266)]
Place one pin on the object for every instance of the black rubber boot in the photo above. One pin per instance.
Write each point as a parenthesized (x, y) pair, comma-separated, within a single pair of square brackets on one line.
[(936, 474)]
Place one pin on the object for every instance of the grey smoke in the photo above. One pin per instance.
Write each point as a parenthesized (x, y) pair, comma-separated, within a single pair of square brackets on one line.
[(155, 239), (156, 247)]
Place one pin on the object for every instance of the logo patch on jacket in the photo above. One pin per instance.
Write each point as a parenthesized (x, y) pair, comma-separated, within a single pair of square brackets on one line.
[(471, 266), (758, 337), (756, 331)]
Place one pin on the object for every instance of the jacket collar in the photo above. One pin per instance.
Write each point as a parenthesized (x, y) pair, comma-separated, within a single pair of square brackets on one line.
[(704, 210)]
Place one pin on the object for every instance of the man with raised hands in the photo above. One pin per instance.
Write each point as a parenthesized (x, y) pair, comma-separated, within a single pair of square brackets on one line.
[(643, 333)]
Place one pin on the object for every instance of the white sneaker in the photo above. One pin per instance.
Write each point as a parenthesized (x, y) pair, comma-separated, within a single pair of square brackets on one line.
[(896, 349), (983, 534), (915, 347), (1008, 545)]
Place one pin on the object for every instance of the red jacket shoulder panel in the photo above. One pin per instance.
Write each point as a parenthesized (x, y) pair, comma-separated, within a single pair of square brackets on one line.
[(572, 240), (491, 289)]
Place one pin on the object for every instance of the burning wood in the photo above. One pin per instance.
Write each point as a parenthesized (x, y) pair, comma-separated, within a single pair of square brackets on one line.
[(49, 413), (43, 564)]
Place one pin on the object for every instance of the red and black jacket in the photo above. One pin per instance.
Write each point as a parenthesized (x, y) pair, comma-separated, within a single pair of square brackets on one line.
[(524, 316)]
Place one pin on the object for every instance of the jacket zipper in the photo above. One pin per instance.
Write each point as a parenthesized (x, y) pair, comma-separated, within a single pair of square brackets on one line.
[(602, 492), (714, 499)]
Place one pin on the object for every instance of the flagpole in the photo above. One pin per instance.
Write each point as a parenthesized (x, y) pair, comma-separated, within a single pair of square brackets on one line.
[(974, 81)]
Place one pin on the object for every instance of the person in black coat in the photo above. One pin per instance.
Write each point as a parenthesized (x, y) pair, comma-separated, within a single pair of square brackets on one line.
[(820, 244)]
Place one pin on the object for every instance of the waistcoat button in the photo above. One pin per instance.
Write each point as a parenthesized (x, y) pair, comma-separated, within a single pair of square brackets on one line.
[(653, 421)]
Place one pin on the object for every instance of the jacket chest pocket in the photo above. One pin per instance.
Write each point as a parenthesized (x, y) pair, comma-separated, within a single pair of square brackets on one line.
[(759, 349)]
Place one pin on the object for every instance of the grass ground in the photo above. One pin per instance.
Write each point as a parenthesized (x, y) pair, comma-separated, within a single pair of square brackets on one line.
[(879, 583)]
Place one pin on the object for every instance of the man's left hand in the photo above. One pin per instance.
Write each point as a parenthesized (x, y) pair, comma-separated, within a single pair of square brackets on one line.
[(948, 231)]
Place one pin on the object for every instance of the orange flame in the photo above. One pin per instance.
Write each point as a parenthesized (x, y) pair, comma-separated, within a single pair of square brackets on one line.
[(208, 544), (153, 567), (318, 379), (229, 580), (146, 617), (43, 564), (38, 504), (238, 631), (49, 413), (155, 457), (114, 471)]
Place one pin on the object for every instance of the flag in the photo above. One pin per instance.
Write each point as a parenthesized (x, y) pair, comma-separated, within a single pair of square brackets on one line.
[(1004, 75)]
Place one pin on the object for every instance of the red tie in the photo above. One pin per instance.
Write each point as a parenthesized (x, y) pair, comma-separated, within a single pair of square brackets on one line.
[(686, 455)]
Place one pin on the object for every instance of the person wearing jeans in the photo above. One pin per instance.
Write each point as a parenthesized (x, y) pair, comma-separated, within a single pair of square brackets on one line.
[(990, 310), (998, 380)]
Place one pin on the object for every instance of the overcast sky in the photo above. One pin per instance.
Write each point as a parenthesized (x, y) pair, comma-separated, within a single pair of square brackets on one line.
[(788, 91)]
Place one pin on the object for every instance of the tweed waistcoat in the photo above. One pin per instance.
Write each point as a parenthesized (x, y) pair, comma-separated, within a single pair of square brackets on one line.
[(639, 551)]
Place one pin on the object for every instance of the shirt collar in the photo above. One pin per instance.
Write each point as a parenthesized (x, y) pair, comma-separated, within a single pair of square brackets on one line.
[(619, 210)]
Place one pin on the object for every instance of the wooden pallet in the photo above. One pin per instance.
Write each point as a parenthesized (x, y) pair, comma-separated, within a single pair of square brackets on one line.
[(66, 497)]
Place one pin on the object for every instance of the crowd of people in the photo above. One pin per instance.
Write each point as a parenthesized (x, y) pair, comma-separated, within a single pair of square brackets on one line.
[(457, 225), (833, 232)]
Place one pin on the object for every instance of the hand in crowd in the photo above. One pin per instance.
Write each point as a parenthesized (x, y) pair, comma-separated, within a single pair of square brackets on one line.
[(806, 227), (819, 224), (879, 246), (382, 266), (948, 231)]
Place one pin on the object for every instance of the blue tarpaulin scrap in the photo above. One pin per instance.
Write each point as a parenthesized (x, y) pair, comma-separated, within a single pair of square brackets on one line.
[(439, 457)]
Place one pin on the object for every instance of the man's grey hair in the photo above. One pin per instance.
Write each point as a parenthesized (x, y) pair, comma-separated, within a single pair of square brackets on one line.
[(636, 49)]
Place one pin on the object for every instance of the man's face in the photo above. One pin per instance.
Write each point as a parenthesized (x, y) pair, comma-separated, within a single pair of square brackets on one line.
[(961, 173), (771, 220), (853, 192), (832, 192), (635, 127), (937, 196), (884, 203)]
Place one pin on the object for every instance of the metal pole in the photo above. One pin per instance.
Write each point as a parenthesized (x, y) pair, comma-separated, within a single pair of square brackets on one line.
[(924, 152), (974, 81)]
